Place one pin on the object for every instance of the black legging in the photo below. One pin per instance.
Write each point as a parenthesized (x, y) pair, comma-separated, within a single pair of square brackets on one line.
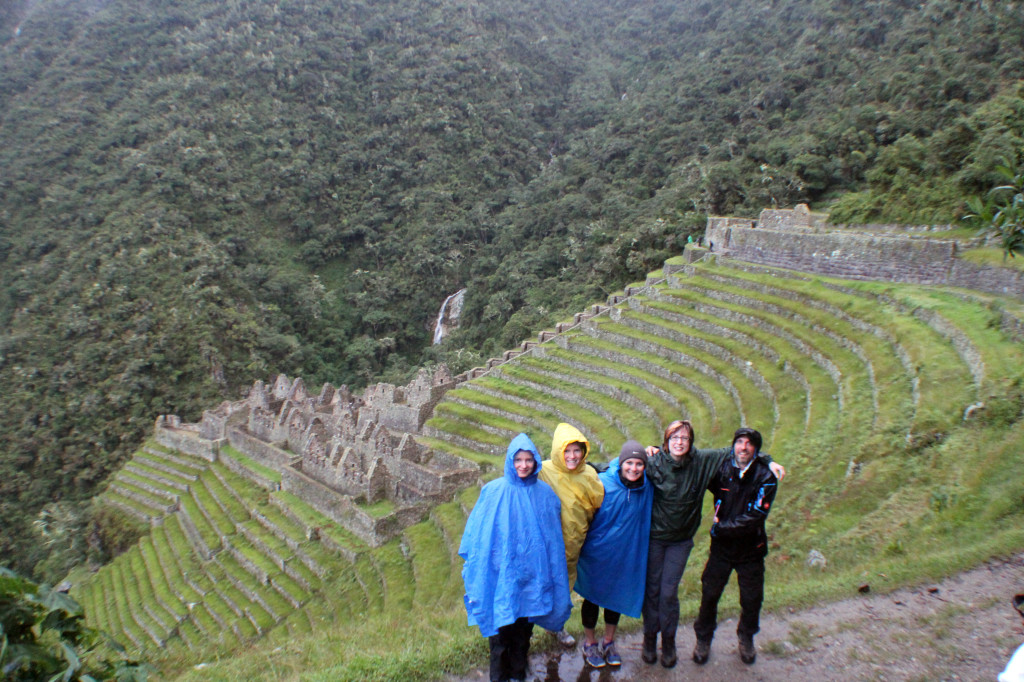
[(590, 611)]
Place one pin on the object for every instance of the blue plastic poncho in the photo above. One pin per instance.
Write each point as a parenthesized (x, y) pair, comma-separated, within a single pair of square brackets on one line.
[(514, 553), (613, 561)]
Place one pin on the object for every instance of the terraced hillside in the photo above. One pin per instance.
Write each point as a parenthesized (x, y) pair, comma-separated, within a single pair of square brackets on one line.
[(811, 363), (860, 389)]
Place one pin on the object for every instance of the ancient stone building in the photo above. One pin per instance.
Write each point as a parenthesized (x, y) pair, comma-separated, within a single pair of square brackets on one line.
[(335, 450)]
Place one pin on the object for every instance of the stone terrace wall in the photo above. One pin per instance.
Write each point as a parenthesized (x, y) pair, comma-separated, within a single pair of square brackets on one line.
[(799, 240)]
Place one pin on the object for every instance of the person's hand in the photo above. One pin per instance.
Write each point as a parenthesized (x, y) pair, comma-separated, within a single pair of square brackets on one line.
[(778, 470), (651, 450)]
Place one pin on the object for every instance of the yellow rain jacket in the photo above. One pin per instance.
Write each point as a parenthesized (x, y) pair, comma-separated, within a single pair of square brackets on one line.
[(580, 491)]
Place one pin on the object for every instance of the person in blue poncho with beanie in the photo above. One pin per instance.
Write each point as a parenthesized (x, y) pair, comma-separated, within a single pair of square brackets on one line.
[(515, 573), (613, 561)]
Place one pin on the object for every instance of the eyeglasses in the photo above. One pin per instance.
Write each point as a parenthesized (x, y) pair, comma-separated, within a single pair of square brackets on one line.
[(678, 437)]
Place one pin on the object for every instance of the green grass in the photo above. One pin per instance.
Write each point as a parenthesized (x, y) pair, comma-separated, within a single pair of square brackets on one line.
[(820, 408), (547, 421), (637, 383), (484, 459), (141, 462), (719, 403), (586, 409), (909, 512), (431, 563), (399, 578), (469, 430), (379, 508), (944, 383), (624, 366), (755, 405), (859, 422), (606, 394), (225, 501), (251, 464), (207, 531), (992, 257), (467, 413)]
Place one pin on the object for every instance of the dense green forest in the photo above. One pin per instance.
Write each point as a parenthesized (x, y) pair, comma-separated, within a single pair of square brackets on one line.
[(197, 194)]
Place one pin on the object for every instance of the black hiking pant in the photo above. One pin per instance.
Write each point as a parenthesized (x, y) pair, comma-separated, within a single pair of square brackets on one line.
[(749, 576), (666, 562), (510, 650)]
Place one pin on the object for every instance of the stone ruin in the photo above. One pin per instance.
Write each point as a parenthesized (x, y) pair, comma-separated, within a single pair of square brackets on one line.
[(337, 451), (798, 239)]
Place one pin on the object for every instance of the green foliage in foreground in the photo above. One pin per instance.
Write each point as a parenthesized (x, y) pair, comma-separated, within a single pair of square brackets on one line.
[(43, 637), (1002, 211)]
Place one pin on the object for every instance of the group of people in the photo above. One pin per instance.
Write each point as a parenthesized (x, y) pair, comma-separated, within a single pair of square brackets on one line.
[(619, 538)]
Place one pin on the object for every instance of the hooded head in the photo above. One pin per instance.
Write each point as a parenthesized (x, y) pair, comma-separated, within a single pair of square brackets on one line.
[(521, 442), (564, 436)]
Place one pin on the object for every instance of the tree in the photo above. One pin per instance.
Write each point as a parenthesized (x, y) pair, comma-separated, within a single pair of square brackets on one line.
[(1002, 212), (43, 637)]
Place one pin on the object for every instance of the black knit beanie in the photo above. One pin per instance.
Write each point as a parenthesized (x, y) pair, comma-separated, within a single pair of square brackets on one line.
[(753, 435)]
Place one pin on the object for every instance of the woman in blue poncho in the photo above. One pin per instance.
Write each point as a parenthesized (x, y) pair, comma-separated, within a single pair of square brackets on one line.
[(514, 572), (613, 561)]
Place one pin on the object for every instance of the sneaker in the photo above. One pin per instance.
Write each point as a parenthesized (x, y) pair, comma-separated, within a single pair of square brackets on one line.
[(701, 651), (592, 655), (650, 650), (565, 639), (611, 656), (748, 654), (668, 654)]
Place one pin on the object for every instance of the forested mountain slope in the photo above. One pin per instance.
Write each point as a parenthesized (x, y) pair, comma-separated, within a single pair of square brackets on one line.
[(194, 194)]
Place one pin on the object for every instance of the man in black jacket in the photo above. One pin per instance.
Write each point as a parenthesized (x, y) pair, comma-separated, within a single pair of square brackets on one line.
[(744, 490)]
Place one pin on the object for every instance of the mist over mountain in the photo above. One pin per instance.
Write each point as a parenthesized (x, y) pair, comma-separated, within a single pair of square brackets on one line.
[(195, 194)]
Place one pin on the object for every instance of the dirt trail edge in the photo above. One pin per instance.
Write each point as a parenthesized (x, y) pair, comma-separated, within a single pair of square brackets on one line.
[(964, 628)]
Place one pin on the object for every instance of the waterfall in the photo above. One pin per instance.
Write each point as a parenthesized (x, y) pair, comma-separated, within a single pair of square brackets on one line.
[(450, 311)]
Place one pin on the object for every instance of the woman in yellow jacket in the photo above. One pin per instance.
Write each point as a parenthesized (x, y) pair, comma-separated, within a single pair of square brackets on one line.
[(579, 490)]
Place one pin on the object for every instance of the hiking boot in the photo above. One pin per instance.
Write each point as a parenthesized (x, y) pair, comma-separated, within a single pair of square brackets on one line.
[(668, 654), (748, 654), (650, 650), (592, 655), (565, 639), (611, 656), (701, 651)]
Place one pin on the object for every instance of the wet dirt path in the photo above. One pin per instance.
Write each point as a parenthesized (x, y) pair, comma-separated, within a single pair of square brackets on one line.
[(964, 628)]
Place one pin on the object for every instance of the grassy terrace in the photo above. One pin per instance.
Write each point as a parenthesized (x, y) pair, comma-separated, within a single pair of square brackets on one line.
[(822, 394), (583, 352), (648, 394), (856, 388), (894, 397), (944, 381), (790, 398), (859, 388), (649, 333)]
